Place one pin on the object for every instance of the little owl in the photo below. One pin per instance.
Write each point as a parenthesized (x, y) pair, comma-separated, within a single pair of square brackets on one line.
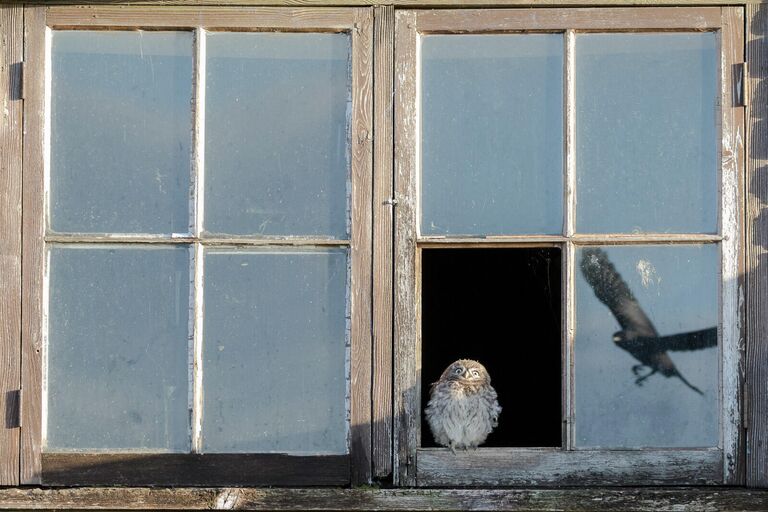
[(462, 408)]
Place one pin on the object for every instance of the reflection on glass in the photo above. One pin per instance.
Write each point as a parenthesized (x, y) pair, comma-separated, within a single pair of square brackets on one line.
[(117, 349), (277, 149), (646, 133), (646, 346), (274, 374), (120, 131), (492, 134)]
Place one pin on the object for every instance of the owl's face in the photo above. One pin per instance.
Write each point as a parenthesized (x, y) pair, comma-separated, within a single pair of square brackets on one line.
[(466, 371)]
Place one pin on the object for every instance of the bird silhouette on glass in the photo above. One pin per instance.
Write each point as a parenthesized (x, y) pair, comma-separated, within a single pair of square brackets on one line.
[(463, 408), (638, 335)]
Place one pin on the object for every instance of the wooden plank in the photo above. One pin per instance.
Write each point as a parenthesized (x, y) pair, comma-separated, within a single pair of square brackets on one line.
[(662, 18), (193, 469), (531, 500), (398, 3), (384, 26), (32, 245), (525, 466), (209, 18), (11, 56), (731, 221), (756, 388), (361, 282), (407, 356)]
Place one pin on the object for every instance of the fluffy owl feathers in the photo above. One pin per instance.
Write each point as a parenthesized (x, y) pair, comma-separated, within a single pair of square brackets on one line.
[(463, 408)]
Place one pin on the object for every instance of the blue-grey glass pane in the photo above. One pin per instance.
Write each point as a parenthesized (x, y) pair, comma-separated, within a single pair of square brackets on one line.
[(646, 133), (120, 132), (492, 134), (277, 149), (117, 349), (646, 346), (274, 375)]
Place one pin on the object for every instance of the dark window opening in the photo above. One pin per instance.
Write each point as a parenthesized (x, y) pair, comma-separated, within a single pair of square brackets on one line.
[(501, 307)]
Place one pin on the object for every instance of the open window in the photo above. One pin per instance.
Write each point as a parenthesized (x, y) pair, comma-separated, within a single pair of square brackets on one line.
[(610, 138), (198, 200)]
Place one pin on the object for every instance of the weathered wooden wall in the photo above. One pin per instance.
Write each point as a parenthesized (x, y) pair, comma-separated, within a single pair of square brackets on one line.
[(531, 500), (11, 55), (756, 389)]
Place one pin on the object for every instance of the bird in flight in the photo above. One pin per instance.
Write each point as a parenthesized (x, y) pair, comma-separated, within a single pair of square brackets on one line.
[(638, 336)]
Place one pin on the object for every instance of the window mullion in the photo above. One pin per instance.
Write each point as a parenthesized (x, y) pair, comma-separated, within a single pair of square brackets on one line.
[(197, 207), (569, 229)]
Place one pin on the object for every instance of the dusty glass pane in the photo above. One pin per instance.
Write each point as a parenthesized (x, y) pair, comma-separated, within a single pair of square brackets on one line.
[(646, 346), (277, 149), (274, 374), (117, 348), (120, 131), (492, 134), (646, 133)]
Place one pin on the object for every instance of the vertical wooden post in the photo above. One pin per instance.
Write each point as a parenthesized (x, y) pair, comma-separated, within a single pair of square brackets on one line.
[(11, 56), (756, 386), (383, 206), (32, 244), (362, 223)]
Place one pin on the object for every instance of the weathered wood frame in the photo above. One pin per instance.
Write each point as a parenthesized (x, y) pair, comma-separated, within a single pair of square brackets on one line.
[(756, 230), (195, 468), (512, 466)]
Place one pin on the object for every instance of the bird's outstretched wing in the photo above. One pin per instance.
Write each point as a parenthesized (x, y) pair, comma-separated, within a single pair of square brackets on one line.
[(692, 340), (613, 291)]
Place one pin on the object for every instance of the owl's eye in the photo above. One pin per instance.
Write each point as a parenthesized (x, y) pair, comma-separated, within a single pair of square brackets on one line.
[(459, 370), (475, 373)]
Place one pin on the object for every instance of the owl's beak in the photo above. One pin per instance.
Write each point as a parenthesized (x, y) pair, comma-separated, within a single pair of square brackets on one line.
[(465, 374)]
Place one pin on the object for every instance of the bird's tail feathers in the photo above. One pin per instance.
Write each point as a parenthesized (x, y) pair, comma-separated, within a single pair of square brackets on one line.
[(680, 376)]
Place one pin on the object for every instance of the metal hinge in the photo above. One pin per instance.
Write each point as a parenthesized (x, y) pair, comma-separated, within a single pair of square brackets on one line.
[(13, 409), (740, 84)]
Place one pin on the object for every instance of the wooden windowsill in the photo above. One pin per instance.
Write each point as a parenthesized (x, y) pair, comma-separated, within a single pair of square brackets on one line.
[(372, 499)]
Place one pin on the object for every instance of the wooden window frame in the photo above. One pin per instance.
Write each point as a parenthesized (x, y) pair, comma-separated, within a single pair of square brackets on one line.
[(196, 468), (437, 467), (20, 230)]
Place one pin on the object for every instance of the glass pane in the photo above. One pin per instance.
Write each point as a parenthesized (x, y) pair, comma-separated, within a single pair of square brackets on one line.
[(117, 348), (120, 132), (492, 134), (646, 133), (277, 148), (646, 346), (274, 374)]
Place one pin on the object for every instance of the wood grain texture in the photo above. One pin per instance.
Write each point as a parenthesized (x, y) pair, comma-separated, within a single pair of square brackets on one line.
[(193, 469), (11, 56), (361, 281), (731, 220), (756, 388), (209, 18), (529, 500), (407, 357), (520, 466), (662, 18), (396, 3), (32, 245), (384, 26)]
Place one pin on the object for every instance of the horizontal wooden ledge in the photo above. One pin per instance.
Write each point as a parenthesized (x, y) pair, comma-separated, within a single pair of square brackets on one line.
[(397, 3), (188, 239), (213, 469), (180, 17), (550, 240), (594, 499), (535, 466)]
